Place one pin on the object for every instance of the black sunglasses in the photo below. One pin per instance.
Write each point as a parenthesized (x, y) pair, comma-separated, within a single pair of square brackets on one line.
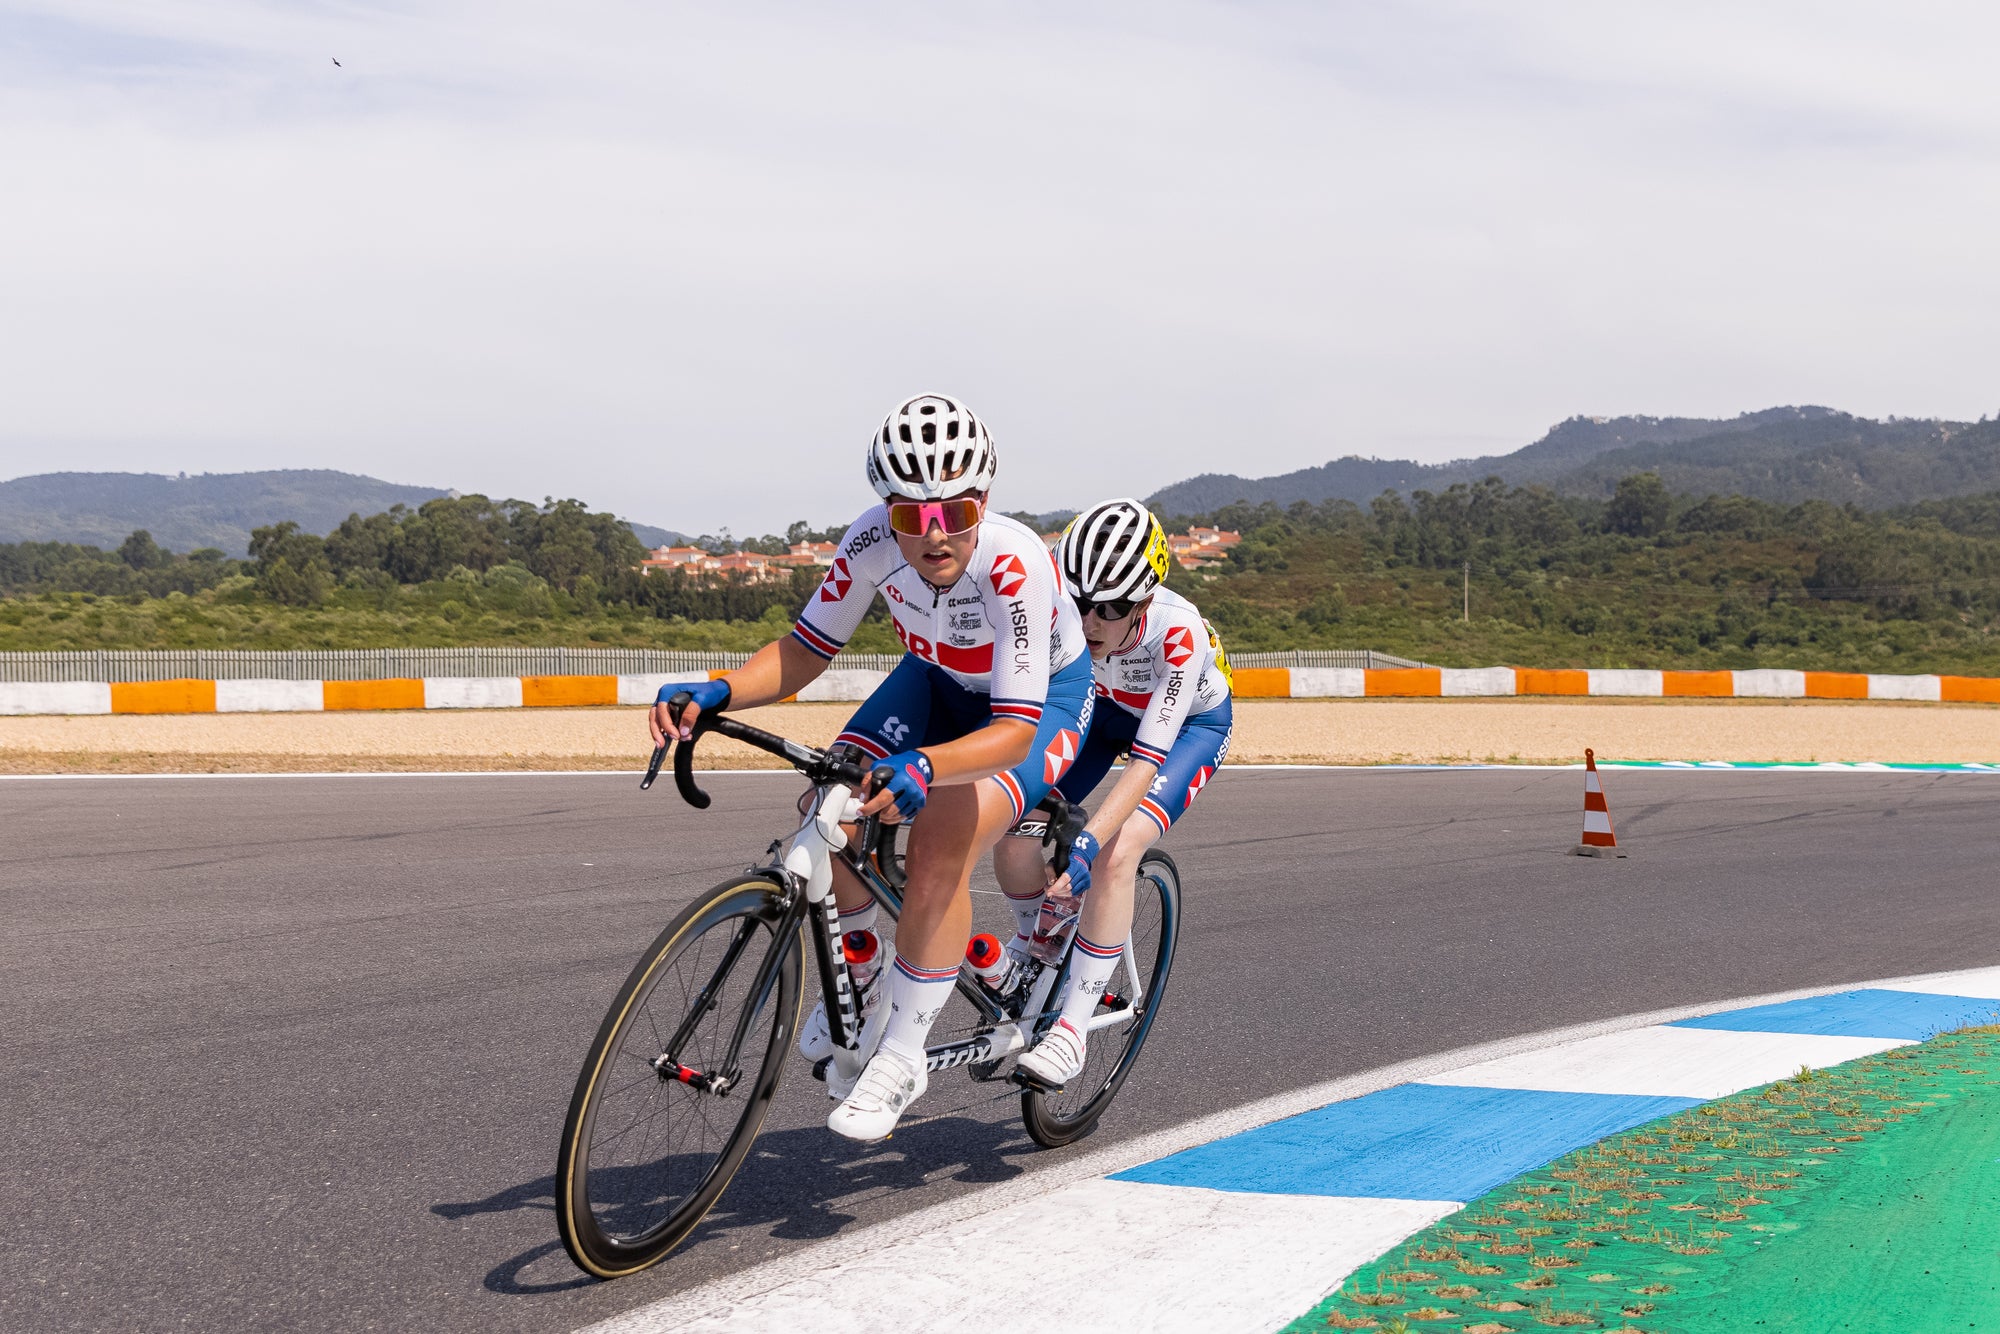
[(1112, 609)]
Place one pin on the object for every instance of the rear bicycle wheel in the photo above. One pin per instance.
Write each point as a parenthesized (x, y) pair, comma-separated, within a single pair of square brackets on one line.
[(1054, 1119), (650, 1142)]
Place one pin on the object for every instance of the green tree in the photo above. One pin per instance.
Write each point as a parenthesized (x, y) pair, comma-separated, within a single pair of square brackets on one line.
[(141, 552), (1640, 507), (289, 566)]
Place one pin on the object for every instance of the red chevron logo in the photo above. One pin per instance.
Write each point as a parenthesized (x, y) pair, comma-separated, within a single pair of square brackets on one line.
[(1060, 755), (837, 581), (1008, 576)]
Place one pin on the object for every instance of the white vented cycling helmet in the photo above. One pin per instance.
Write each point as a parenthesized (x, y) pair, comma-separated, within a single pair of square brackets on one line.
[(1113, 552), (931, 448)]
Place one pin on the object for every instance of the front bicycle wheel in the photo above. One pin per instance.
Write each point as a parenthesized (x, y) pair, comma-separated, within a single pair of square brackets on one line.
[(1056, 1118), (662, 1115)]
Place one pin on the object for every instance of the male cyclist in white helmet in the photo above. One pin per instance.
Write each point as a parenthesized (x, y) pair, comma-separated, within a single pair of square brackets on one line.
[(985, 711), (1157, 661)]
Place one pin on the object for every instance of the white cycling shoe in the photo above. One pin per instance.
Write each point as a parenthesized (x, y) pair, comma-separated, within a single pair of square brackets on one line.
[(816, 1037), (888, 1085), (1057, 1058)]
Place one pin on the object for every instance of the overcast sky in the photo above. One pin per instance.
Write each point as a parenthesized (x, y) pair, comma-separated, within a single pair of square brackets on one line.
[(678, 261)]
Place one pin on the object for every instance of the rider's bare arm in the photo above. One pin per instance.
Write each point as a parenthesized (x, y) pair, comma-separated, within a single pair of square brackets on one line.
[(1124, 799), (779, 669)]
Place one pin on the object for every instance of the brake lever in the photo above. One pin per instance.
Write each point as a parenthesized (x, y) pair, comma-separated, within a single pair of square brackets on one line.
[(684, 752), (1066, 821), (871, 825), (653, 769)]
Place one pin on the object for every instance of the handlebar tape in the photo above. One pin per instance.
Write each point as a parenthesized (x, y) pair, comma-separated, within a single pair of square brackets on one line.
[(684, 752)]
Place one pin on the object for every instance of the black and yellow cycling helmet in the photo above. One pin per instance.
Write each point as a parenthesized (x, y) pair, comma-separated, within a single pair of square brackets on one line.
[(1113, 552)]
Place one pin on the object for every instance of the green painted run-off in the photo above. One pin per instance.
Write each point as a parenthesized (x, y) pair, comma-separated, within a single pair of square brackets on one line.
[(1864, 1198)]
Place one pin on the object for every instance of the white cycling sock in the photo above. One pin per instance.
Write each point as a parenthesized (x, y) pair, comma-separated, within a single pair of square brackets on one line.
[(858, 919), (1090, 969), (917, 997), (1025, 912)]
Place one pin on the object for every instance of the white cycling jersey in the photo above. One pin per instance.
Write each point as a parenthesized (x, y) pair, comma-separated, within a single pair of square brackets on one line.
[(1175, 669), (1010, 585)]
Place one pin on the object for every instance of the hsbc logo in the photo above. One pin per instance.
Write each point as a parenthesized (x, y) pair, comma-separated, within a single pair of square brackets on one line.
[(1178, 646), (1061, 753), (1008, 576), (838, 580), (1201, 777)]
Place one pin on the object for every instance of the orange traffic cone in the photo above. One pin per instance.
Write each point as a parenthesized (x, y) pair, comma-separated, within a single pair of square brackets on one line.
[(1598, 840)]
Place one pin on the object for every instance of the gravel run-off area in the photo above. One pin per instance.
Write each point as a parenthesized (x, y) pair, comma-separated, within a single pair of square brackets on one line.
[(1376, 731)]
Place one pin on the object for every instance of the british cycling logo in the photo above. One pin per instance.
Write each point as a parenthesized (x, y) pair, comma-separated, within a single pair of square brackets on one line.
[(1008, 576), (894, 729), (838, 580), (1178, 646), (1061, 753)]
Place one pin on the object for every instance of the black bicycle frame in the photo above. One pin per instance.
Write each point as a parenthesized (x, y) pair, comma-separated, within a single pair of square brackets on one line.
[(836, 983)]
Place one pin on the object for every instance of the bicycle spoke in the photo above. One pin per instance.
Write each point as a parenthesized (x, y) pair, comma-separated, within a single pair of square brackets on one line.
[(1134, 989), (652, 1157)]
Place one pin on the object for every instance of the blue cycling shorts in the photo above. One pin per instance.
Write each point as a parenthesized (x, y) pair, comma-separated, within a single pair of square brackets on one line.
[(919, 705), (1196, 754)]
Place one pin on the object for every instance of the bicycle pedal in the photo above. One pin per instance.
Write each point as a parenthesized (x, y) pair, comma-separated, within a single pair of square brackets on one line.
[(1027, 1081)]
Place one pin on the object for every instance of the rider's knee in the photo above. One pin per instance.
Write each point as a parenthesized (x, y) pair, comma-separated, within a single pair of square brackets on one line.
[(1017, 862), (1136, 835)]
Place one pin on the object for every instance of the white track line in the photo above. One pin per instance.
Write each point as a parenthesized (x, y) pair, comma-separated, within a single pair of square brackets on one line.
[(758, 1293), (1657, 1061), (790, 773)]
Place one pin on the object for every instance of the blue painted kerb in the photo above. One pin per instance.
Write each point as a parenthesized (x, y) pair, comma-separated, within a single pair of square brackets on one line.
[(1868, 1013), (1412, 1142)]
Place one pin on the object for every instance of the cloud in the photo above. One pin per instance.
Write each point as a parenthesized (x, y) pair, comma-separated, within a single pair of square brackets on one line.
[(678, 260)]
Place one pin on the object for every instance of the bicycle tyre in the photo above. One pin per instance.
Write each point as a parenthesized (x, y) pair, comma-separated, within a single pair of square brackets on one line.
[(1054, 1119), (590, 1220)]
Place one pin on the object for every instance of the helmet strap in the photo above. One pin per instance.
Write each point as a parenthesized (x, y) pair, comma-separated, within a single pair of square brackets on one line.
[(1138, 622)]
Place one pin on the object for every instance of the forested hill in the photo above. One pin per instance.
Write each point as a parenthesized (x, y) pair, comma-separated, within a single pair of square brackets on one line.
[(1783, 455), (187, 513), (217, 511)]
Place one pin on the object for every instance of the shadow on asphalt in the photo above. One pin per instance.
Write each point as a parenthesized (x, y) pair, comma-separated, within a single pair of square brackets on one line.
[(793, 1186)]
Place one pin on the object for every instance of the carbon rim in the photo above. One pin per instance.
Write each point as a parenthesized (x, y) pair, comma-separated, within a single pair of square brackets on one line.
[(655, 1152), (1111, 1051)]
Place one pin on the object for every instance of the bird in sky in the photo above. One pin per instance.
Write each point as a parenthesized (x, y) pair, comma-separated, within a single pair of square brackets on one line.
[(336, 62)]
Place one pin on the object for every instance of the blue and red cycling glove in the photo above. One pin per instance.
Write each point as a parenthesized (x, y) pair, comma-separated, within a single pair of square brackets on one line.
[(909, 781), (1082, 853), (708, 696)]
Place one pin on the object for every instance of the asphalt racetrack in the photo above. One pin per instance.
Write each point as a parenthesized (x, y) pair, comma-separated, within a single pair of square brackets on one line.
[(293, 1053)]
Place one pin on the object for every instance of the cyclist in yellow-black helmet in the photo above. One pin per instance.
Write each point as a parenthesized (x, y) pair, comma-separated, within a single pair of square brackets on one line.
[(1157, 661)]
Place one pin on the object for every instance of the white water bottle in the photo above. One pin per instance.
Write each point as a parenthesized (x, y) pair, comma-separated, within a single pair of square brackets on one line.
[(1052, 926), (990, 961)]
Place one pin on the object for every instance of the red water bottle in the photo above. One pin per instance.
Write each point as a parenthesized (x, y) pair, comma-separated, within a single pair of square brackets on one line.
[(864, 958), (992, 963)]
